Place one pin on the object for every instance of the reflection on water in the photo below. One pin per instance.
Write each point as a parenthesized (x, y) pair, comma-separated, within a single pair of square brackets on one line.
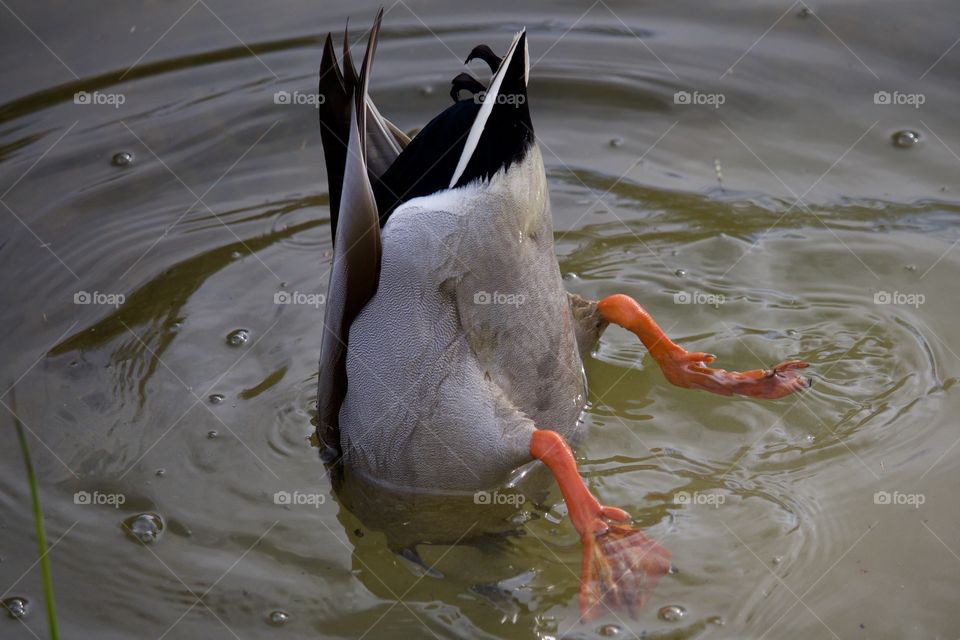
[(796, 219)]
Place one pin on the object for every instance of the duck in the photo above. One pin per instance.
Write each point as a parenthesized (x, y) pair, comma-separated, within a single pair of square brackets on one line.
[(451, 357)]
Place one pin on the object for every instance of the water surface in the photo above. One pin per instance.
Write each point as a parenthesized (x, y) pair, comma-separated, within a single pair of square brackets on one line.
[(789, 202)]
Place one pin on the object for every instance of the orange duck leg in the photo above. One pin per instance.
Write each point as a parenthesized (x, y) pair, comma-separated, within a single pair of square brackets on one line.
[(688, 369), (621, 566)]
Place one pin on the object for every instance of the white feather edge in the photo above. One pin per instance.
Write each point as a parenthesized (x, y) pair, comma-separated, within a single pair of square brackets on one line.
[(484, 114)]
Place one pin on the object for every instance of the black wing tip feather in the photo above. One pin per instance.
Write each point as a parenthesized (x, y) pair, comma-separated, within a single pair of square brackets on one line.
[(428, 163), (340, 89)]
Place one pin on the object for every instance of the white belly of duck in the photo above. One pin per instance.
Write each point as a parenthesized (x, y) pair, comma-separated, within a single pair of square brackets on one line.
[(467, 344)]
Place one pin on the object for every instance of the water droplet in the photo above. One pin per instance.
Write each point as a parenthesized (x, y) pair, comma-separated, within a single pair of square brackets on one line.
[(211, 435), (777, 559), (793, 333), (521, 517), (16, 606), (238, 338), (557, 513), (216, 398), (426, 90), (805, 12), (161, 472), (671, 613), (681, 273), (145, 527), (905, 139), (571, 275), (122, 159), (910, 267), (278, 618), (610, 630), (616, 142)]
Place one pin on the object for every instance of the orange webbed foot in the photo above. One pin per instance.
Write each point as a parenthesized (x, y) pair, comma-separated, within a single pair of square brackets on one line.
[(688, 369), (621, 565), (691, 373)]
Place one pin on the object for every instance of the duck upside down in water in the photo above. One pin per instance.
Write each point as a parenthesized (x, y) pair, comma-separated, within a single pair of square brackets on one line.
[(426, 382)]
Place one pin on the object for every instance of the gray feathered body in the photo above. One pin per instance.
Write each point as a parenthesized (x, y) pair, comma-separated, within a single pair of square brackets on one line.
[(469, 343)]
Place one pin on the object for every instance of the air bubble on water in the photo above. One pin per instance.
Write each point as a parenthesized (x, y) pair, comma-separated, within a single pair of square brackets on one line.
[(557, 513), (521, 517), (236, 255), (610, 630), (671, 613), (122, 159), (777, 559), (616, 142), (910, 267), (216, 398), (160, 473), (793, 333), (212, 435), (278, 618), (238, 337), (681, 273), (426, 90), (16, 606), (145, 527), (805, 12), (571, 275), (905, 139)]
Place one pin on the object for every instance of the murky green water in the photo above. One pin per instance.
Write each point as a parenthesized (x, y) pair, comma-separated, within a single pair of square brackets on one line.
[(789, 199)]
